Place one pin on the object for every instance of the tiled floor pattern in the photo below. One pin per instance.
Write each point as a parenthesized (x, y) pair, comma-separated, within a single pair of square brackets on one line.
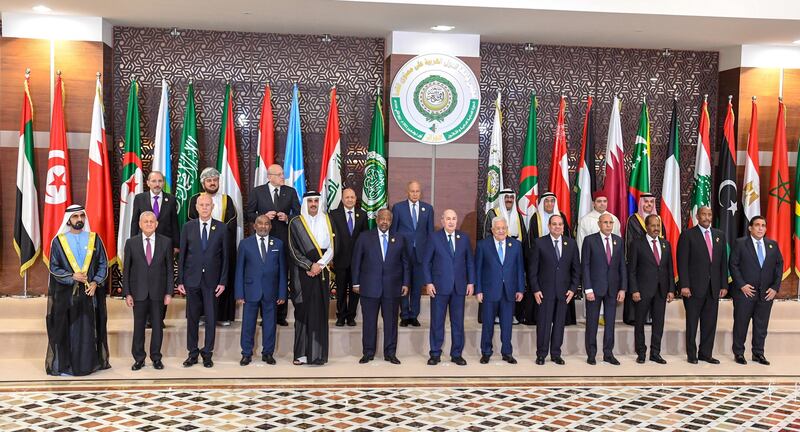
[(408, 408)]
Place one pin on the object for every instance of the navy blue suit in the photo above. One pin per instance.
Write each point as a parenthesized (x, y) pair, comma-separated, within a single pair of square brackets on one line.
[(415, 240), (260, 283), (605, 280), (380, 281), (499, 282), (553, 277), (449, 270)]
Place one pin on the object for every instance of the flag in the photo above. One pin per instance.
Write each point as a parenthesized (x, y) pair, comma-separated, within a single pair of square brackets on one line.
[(640, 171), (265, 156), (559, 172), (727, 193), (230, 182), (751, 192), (779, 210), (701, 183), (131, 170), (57, 193), (586, 184), (529, 172), (494, 173), (797, 214), (293, 156), (162, 147), (373, 196), (614, 184), (99, 202), (671, 188), (187, 184), (330, 176), (27, 232)]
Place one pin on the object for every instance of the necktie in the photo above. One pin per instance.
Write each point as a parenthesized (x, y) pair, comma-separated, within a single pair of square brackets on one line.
[(385, 245), (452, 245), (350, 221), (500, 251), (656, 253), (204, 235), (148, 251), (263, 250), (708, 245), (275, 196), (608, 251), (760, 252), (156, 208), (558, 251), (414, 215)]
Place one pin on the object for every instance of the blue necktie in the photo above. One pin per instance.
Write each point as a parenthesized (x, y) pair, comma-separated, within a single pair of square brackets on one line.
[(350, 221), (558, 251), (414, 217), (452, 246), (760, 252), (204, 236), (385, 245), (500, 251)]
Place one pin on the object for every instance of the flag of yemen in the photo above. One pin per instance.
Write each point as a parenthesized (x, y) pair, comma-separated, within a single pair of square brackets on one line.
[(27, 233)]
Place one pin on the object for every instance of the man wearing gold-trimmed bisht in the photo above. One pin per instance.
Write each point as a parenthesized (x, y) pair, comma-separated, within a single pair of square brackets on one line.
[(76, 299)]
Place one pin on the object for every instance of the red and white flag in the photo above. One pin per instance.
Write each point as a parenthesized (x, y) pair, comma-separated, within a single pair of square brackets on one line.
[(230, 182), (559, 173), (266, 140), (57, 192), (751, 191), (615, 185), (330, 176)]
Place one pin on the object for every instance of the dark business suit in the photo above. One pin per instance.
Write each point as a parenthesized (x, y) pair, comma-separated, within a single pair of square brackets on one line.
[(260, 282), (147, 284), (449, 269), (705, 277), (200, 269), (415, 239), (167, 215), (259, 202), (746, 269), (381, 281), (605, 279), (653, 282), (498, 281), (346, 299)]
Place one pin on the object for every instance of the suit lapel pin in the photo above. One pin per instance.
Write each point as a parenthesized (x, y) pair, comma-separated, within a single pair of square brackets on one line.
[(357, 215), (615, 242), (213, 227), (271, 243), (422, 208), (392, 240), (458, 236), (509, 244), (166, 199), (565, 243), (770, 246), (717, 239)]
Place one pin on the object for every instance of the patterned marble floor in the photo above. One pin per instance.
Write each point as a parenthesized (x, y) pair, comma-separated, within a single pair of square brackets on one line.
[(421, 407)]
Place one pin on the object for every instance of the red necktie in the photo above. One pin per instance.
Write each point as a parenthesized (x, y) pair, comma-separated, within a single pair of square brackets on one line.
[(608, 251), (655, 252)]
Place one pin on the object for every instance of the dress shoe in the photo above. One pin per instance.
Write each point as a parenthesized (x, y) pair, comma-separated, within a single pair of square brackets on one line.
[(317, 362), (640, 358), (245, 360), (657, 359), (157, 364), (207, 362), (539, 360), (283, 322), (485, 359), (414, 322), (403, 322), (190, 361), (225, 323), (365, 359), (611, 360), (692, 360), (351, 322), (509, 359), (711, 360), (433, 361), (340, 322), (458, 361), (268, 359), (392, 359), (138, 365), (591, 361), (760, 359), (557, 360), (740, 359)]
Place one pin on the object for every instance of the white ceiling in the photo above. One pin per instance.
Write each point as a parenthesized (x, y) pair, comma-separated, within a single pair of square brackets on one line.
[(676, 24)]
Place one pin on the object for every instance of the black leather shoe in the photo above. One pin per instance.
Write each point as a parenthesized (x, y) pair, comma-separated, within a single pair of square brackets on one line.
[(283, 322), (433, 361), (268, 359), (485, 359), (403, 322), (539, 361), (207, 362), (365, 359), (640, 359), (711, 360), (458, 361), (138, 365), (340, 322), (414, 322), (557, 360), (509, 359), (190, 361), (740, 359), (612, 360), (392, 359), (351, 322), (591, 361), (157, 364), (244, 361), (657, 359), (692, 360), (760, 359)]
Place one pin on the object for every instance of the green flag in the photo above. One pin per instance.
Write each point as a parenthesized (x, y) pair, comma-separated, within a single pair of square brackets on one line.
[(132, 179), (529, 172), (373, 197), (187, 184), (797, 215), (640, 171)]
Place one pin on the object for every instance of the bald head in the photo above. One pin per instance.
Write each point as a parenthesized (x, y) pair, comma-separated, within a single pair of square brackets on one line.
[(414, 191), (349, 198), (275, 175)]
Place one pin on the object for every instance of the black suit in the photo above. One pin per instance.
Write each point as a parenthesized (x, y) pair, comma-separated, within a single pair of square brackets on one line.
[(705, 276), (346, 299), (745, 269), (200, 270), (167, 215), (147, 284), (260, 202), (653, 282), (605, 279)]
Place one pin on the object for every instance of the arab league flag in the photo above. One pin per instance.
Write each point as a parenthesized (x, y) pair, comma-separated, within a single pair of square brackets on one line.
[(330, 176), (779, 203), (529, 172), (727, 209), (57, 192), (373, 196), (27, 233), (187, 184), (586, 183), (293, 155), (494, 173), (131, 170), (162, 146), (671, 188), (230, 182), (701, 184), (265, 156), (751, 190), (640, 171)]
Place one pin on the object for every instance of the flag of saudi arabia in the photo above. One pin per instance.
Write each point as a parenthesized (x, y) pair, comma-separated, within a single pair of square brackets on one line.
[(186, 184), (373, 197)]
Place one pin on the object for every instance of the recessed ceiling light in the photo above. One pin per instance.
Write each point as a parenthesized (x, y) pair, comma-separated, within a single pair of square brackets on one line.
[(42, 9), (797, 42), (442, 28)]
